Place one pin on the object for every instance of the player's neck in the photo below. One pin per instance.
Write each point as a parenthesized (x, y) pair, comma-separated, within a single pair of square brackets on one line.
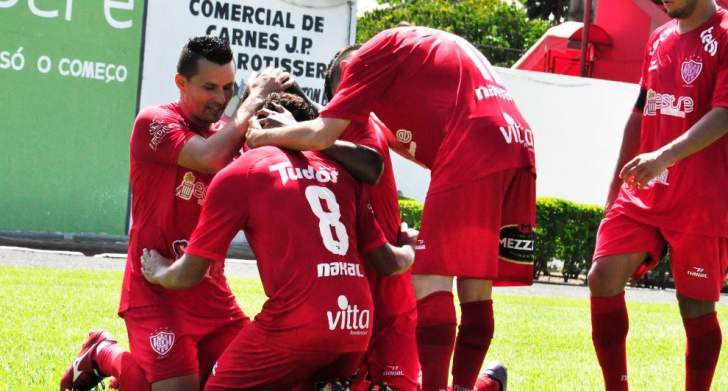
[(187, 115), (703, 11)]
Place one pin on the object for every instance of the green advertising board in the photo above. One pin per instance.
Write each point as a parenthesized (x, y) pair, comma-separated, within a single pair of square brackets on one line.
[(69, 76)]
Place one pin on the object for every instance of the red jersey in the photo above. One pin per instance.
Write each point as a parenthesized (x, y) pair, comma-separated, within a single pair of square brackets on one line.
[(685, 76), (444, 99), (307, 223), (166, 203), (392, 295)]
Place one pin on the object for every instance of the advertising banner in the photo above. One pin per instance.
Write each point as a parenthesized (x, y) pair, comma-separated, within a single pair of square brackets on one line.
[(69, 75)]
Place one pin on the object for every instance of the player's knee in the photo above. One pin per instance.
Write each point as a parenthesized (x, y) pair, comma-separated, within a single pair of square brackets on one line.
[(602, 281), (691, 308)]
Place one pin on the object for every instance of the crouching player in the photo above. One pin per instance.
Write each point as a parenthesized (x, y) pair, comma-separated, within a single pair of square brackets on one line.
[(307, 223)]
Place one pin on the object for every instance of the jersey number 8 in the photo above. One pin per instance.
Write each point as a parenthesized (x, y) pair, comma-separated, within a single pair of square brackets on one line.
[(315, 195)]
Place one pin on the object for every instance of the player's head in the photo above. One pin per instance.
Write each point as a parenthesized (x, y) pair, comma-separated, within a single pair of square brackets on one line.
[(336, 69), (299, 107), (680, 9), (205, 78)]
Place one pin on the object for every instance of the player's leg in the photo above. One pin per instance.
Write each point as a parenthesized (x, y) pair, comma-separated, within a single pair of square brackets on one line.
[(100, 357), (392, 356), (436, 321), (475, 331), (699, 264), (212, 345), (610, 324), (622, 247), (163, 345), (255, 360)]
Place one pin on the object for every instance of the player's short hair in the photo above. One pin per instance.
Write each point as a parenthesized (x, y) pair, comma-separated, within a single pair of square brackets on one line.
[(333, 72), (213, 49), (299, 107)]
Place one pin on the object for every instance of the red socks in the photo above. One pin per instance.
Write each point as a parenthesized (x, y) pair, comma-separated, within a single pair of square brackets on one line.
[(704, 340), (435, 338), (119, 363), (609, 335), (474, 335)]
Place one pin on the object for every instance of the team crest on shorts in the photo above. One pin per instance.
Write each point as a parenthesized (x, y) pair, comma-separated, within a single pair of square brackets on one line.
[(690, 71), (162, 342)]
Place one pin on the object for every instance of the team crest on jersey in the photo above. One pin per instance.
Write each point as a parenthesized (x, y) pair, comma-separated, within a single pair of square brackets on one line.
[(404, 136), (690, 71), (190, 187), (162, 342)]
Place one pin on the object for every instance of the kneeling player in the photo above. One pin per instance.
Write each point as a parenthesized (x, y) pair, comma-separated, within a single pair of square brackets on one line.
[(316, 323)]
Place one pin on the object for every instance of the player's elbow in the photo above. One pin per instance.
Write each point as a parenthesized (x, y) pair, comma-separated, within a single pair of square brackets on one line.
[(374, 169)]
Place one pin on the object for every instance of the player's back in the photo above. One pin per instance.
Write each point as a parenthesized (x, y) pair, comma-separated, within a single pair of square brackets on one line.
[(306, 223), (443, 96)]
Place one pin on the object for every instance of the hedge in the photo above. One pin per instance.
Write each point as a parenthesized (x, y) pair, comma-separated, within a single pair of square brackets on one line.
[(565, 230)]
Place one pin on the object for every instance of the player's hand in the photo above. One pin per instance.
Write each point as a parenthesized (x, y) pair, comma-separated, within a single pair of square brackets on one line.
[(154, 265), (254, 133), (639, 171), (407, 236), (269, 80), (275, 118)]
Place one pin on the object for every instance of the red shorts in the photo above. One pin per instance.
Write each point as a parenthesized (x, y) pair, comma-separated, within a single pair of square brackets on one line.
[(699, 263), (168, 343), (254, 361), (461, 228), (392, 355)]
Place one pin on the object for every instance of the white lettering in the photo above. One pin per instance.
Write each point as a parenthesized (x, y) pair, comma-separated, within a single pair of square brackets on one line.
[(668, 104), (7, 3), (710, 44), (127, 5), (288, 172), (39, 12), (44, 64), (348, 317), (336, 269)]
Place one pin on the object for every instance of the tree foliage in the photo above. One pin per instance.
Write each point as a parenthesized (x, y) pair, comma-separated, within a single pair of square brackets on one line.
[(500, 29), (556, 10)]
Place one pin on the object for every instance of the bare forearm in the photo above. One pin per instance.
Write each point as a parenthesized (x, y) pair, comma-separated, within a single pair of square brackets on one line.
[(223, 145), (391, 260), (183, 273), (364, 163), (313, 135), (703, 133)]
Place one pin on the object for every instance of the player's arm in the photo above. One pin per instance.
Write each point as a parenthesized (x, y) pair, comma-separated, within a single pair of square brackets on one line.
[(313, 135), (392, 260), (211, 154), (363, 163), (628, 150), (183, 273), (645, 167)]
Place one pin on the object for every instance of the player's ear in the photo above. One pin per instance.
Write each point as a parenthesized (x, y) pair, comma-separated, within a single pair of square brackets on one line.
[(181, 82)]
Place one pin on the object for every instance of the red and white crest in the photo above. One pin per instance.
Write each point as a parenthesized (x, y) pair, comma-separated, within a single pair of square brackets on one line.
[(690, 71), (162, 342)]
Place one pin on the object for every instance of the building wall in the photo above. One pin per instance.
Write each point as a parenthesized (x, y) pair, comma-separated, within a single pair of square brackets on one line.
[(578, 126)]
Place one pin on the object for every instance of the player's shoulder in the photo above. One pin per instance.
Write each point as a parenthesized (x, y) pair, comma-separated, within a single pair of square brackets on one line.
[(722, 22), (660, 32), (166, 111), (162, 118)]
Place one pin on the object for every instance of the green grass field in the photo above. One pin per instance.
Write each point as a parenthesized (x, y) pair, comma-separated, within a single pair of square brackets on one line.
[(545, 342)]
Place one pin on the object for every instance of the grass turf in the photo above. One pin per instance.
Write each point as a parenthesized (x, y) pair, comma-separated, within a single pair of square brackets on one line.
[(545, 341)]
